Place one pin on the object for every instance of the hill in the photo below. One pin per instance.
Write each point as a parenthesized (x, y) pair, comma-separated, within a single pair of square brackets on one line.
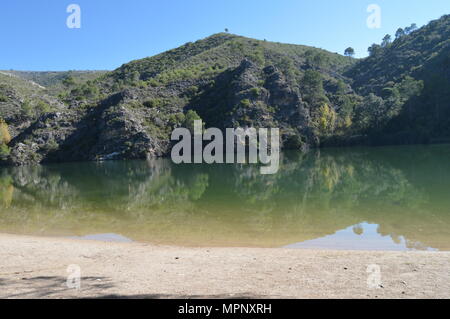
[(23, 101), (130, 112), (411, 80), (399, 94)]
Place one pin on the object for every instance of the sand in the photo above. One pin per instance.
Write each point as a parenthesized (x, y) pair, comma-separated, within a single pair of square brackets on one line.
[(35, 267)]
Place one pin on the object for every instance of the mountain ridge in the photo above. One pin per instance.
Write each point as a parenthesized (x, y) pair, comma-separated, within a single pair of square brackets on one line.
[(316, 98)]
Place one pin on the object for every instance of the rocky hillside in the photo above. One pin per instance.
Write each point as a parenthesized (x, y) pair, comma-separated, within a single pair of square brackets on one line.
[(407, 82), (315, 97), (130, 112), (23, 102)]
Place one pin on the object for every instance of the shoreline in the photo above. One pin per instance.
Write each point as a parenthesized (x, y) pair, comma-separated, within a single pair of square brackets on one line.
[(36, 267)]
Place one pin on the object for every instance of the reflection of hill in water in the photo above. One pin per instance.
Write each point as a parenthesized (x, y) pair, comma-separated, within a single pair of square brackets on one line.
[(403, 189)]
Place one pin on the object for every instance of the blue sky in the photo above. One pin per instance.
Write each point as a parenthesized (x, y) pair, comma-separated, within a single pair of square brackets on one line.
[(34, 35)]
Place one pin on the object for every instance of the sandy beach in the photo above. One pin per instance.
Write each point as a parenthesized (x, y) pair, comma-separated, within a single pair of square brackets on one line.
[(35, 267)]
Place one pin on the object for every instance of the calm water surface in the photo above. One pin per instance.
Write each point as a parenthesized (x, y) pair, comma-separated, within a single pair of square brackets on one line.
[(391, 198)]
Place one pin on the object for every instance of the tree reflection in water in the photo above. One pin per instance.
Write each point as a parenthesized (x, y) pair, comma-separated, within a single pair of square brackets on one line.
[(403, 190)]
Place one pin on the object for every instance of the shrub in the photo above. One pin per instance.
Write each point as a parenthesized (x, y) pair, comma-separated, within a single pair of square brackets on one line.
[(193, 90), (87, 90), (4, 151), (190, 117), (255, 91), (27, 109), (293, 142), (51, 146), (69, 81), (153, 103), (43, 107), (245, 103), (134, 104), (153, 83), (271, 109), (177, 119)]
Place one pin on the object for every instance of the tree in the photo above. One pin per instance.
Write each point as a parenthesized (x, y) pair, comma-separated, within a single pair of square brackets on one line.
[(349, 52), (4, 151), (27, 109), (374, 49), (312, 88), (226, 30), (314, 80), (69, 81), (410, 87), (190, 118), (326, 119), (400, 32), (371, 113), (411, 28), (5, 137), (315, 59), (386, 40)]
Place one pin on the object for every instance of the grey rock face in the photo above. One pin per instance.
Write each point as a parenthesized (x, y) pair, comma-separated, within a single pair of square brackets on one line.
[(122, 127)]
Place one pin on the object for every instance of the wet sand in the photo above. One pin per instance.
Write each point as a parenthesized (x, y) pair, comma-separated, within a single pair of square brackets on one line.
[(35, 267)]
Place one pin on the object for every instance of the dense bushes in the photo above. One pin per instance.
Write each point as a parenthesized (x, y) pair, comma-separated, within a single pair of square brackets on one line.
[(35, 108)]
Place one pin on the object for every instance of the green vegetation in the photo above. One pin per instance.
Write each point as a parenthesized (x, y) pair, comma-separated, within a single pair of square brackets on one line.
[(208, 57), (349, 52), (312, 88), (27, 109), (189, 119), (85, 91), (5, 138), (406, 86), (22, 100), (399, 94), (69, 81), (43, 107), (245, 103), (153, 103)]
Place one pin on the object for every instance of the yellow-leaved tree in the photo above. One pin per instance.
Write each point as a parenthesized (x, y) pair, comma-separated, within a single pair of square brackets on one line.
[(5, 138), (326, 119)]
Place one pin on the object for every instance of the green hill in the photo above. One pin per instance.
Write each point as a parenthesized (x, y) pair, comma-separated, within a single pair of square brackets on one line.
[(411, 77), (23, 101), (400, 94)]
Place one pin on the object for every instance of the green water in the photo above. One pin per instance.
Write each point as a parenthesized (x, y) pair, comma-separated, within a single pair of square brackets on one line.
[(360, 198)]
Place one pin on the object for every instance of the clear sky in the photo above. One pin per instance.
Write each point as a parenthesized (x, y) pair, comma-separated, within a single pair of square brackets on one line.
[(34, 34)]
